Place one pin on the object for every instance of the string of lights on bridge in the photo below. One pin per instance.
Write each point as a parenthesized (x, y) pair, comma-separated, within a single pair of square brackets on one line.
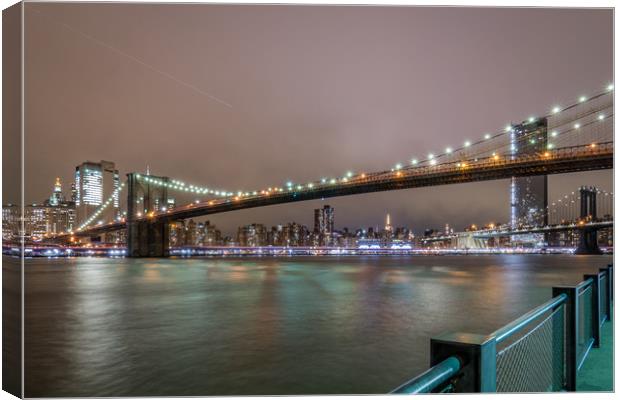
[(431, 160), (566, 201), (101, 208)]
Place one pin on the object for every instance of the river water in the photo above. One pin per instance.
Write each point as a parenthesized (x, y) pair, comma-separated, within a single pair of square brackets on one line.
[(301, 325)]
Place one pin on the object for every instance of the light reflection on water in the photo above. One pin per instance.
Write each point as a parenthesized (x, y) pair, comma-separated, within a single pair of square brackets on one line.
[(308, 325)]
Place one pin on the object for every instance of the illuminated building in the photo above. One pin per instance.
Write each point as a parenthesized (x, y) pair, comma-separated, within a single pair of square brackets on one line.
[(294, 234), (388, 225), (528, 195), (55, 215), (324, 225), (252, 235), (94, 184), (11, 215), (57, 197)]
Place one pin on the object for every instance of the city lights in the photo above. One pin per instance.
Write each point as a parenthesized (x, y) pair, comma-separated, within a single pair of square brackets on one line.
[(432, 159)]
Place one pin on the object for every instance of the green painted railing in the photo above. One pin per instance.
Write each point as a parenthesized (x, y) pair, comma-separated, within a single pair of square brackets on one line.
[(540, 351)]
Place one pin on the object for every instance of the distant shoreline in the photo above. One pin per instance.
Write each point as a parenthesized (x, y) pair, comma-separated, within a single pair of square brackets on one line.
[(275, 252)]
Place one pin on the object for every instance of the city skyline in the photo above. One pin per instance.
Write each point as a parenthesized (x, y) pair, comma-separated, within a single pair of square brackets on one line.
[(285, 119)]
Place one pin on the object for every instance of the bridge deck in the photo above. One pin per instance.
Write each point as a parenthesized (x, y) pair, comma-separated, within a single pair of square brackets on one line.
[(597, 372)]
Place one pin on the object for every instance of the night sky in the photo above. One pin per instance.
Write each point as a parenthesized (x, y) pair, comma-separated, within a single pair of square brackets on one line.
[(245, 97)]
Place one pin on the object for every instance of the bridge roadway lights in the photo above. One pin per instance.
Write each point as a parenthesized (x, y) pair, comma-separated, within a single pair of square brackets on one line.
[(148, 239)]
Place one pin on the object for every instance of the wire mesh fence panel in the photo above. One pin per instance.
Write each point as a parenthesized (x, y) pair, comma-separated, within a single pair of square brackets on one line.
[(584, 316), (603, 303), (535, 362)]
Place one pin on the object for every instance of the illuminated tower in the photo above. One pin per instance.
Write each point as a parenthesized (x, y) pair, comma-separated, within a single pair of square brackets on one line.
[(94, 184), (388, 226), (528, 195), (57, 198)]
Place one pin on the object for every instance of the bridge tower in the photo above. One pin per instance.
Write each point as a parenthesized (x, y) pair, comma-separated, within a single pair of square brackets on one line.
[(146, 238), (588, 243)]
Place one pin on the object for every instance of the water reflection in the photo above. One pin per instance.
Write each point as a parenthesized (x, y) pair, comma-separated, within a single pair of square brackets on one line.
[(112, 327)]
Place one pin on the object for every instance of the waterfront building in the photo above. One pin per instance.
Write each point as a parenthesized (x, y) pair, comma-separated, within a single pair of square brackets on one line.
[(294, 234), (190, 233), (55, 215), (323, 225), (212, 235), (42, 219), (94, 184), (11, 216), (252, 235), (606, 237), (177, 233)]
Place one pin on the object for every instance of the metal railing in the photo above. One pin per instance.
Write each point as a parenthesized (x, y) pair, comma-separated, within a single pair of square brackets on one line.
[(541, 351)]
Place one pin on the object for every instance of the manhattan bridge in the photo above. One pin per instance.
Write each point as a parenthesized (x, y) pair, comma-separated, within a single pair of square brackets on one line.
[(564, 139)]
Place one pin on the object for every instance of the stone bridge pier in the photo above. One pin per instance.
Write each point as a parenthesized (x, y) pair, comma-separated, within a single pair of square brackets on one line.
[(146, 238), (588, 243)]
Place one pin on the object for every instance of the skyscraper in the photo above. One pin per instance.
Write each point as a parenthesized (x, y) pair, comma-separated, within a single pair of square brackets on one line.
[(528, 195), (94, 184), (388, 225), (324, 224), (57, 197)]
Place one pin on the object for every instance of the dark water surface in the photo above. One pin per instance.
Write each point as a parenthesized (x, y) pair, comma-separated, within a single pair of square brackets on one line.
[(306, 325)]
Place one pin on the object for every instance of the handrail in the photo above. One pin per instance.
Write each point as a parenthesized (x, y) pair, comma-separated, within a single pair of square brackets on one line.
[(430, 379), (515, 326), (585, 283)]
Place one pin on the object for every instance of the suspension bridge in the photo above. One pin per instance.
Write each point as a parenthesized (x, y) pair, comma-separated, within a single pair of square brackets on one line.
[(585, 210), (575, 138)]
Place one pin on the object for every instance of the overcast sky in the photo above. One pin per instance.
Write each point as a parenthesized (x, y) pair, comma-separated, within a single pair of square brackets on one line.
[(244, 97)]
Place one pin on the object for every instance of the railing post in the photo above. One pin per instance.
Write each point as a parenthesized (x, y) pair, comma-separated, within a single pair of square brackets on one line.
[(610, 268), (607, 299), (478, 355), (559, 358), (571, 333), (596, 308)]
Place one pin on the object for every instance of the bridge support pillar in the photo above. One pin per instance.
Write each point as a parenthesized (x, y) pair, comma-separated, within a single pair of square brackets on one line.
[(145, 237), (588, 243), (148, 239)]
